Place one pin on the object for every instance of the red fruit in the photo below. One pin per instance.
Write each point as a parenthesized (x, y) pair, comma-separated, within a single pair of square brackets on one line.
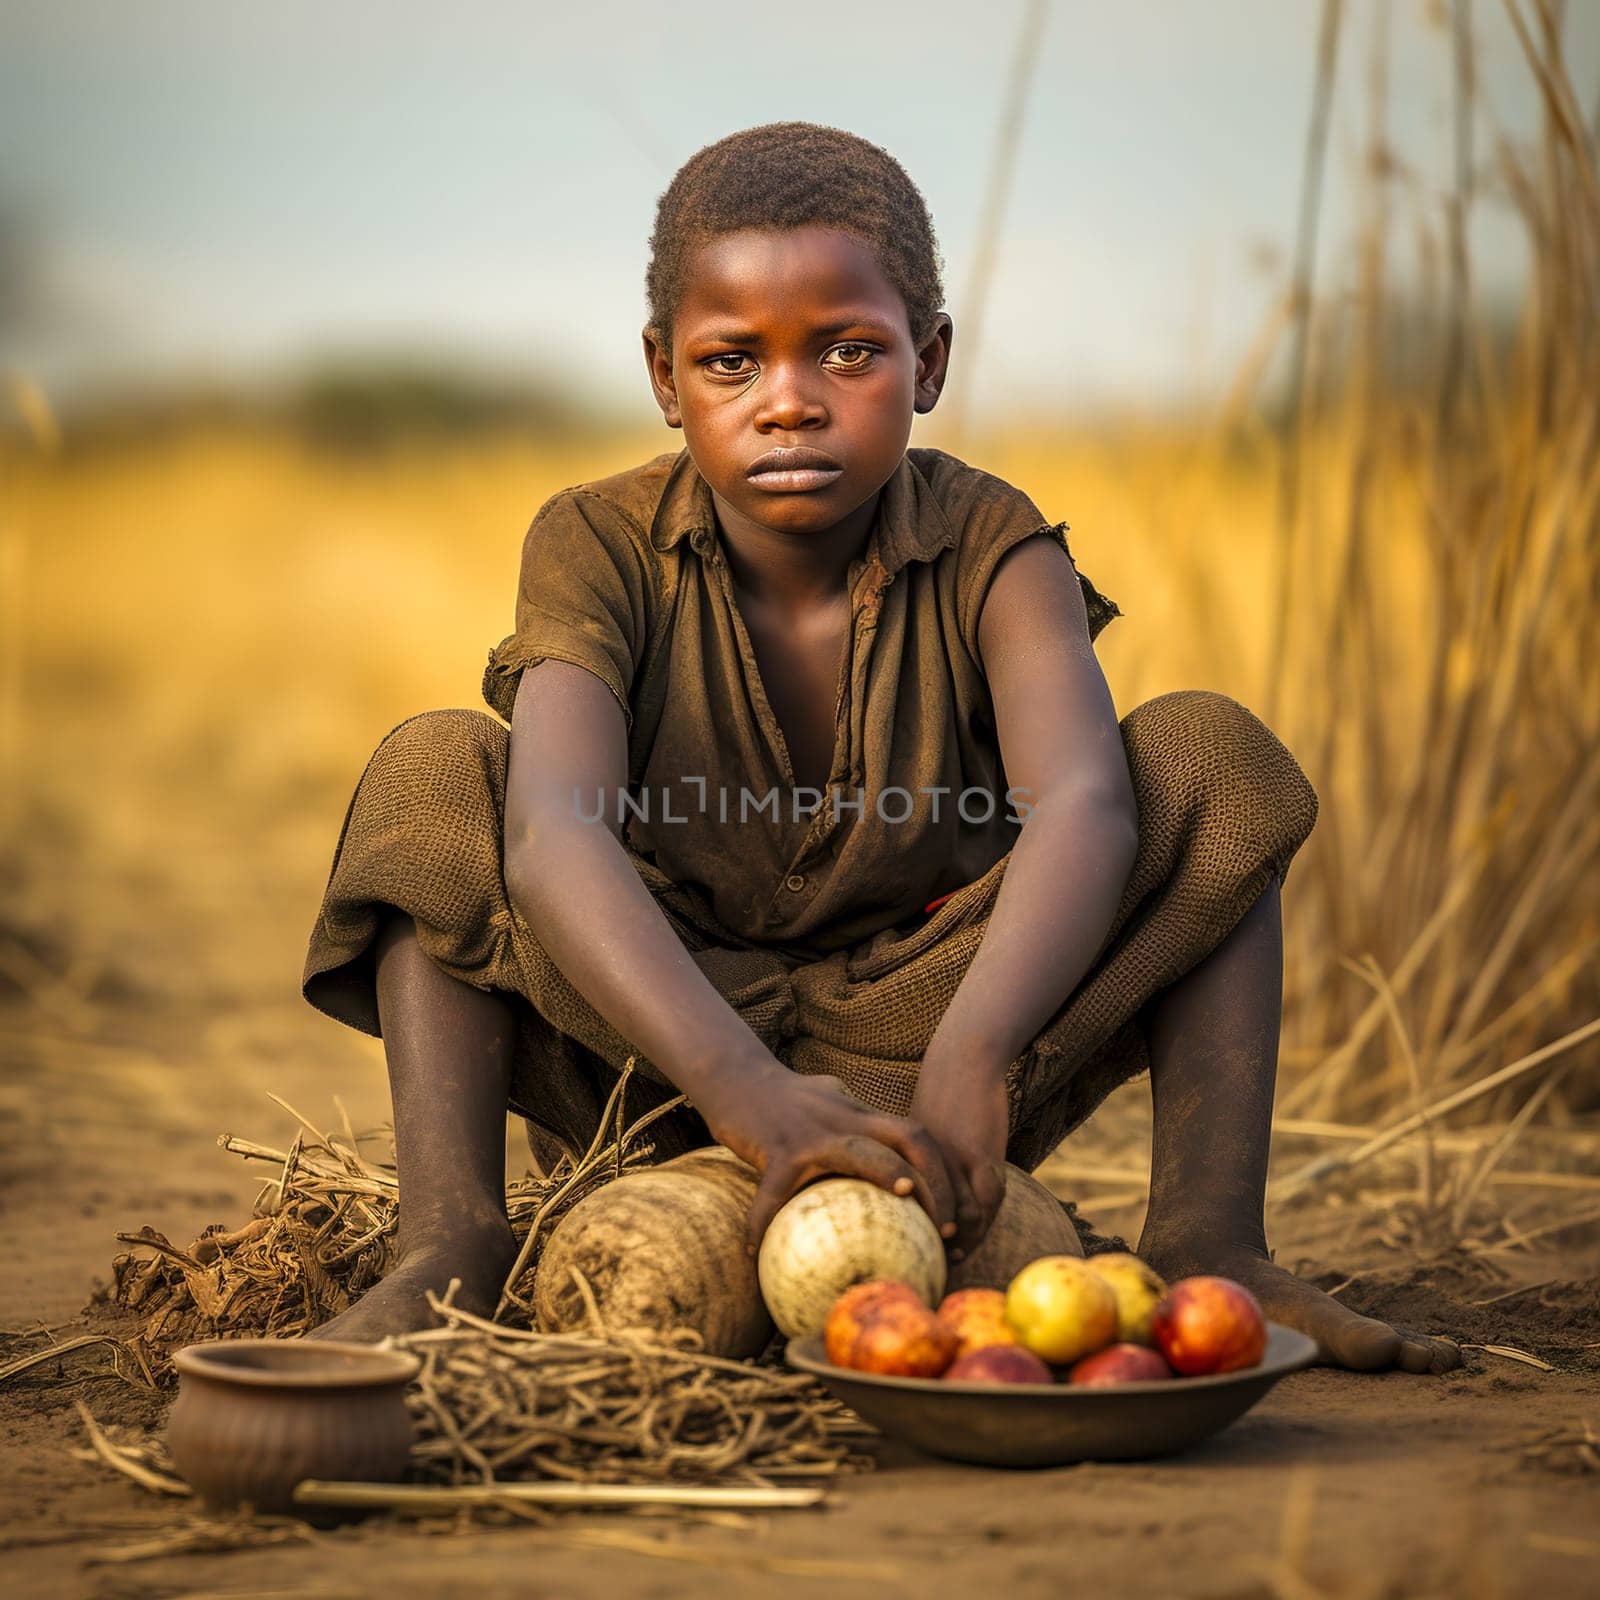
[(903, 1339), (977, 1317), (1000, 1363), (1121, 1363), (885, 1326), (853, 1308), (1206, 1325)]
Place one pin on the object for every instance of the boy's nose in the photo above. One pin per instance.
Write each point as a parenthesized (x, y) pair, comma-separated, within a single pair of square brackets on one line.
[(788, 402)]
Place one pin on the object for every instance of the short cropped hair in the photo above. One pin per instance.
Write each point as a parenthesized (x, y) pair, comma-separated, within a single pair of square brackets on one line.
[(785, 175)]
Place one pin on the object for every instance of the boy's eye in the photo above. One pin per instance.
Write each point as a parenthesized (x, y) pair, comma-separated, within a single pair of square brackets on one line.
[(732, 371), (851, 356)]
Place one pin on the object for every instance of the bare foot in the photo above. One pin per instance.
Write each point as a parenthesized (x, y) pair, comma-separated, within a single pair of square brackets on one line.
[(1344, 1337), (398, 1302)]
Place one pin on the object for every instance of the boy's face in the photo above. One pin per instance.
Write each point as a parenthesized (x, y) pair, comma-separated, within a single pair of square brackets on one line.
[(794, 341)]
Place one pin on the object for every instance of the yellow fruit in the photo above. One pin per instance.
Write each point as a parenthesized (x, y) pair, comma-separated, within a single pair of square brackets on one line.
[(1137, 1288), (1061, 1309)]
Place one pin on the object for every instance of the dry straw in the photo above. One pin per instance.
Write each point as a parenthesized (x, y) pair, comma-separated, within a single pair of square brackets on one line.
[(493, 1400), (612, 1407), (323, 1232)]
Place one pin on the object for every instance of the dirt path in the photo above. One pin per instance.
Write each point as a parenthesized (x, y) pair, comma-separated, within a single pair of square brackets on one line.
[(1355, 1486)]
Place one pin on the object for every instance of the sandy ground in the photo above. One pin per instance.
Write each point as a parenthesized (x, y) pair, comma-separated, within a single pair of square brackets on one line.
[(1336, 1485)]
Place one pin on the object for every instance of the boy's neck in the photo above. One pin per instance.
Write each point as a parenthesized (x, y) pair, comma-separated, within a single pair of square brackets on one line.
[(793, 571)]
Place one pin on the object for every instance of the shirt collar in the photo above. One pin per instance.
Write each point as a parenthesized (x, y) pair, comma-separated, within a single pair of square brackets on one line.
[(911, 525)]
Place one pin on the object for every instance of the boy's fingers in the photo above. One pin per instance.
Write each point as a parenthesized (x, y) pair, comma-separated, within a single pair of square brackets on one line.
[(989, 1186), (969, 1213), (777, 1184), (937, 1191), (983, 1188), (858, 1155), (971, 1225), (968, 1226), (851, 1156)]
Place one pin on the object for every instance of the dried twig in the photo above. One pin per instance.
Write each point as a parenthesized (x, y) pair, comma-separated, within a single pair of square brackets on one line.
[(1568, 1448), (821, 1568), (447, 1500), (126, 1461), (53, 1352), (493, 1402), (206, 1534), (1507, 1352), (1324, 1165)]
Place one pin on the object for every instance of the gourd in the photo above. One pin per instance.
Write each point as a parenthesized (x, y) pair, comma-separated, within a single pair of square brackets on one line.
[(664, 1248), (1030, 1223), (661, 1248), (839, 1232)]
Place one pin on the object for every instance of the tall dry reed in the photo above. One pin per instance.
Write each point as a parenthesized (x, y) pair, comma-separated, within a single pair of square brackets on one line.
[(1439, 673)]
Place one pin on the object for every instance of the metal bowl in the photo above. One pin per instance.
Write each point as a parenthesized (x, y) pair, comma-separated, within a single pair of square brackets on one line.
[(1051, 1424)]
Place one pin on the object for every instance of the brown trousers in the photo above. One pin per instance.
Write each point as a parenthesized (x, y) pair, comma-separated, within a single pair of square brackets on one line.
[(1223, 808)]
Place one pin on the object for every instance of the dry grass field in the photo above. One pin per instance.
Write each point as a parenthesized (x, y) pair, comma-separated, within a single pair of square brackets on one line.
[(1383, 539)]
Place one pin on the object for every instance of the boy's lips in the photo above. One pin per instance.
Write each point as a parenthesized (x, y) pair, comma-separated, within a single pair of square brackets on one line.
[(794, 469)]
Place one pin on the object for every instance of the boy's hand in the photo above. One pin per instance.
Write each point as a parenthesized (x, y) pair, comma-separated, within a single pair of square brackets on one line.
[(804, 1127), (964, 1109)]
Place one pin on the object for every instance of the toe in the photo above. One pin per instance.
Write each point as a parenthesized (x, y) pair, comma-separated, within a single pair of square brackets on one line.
[(1362, 1344), (1416, 1355), (1446, 1355), (1422, 1352)]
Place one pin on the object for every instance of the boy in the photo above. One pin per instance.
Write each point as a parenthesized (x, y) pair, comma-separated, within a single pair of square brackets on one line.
[(795, 605)]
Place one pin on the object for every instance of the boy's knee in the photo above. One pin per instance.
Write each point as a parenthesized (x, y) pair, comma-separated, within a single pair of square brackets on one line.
[(1210, 740), (431, 735), (1196, 748), (442, 768)]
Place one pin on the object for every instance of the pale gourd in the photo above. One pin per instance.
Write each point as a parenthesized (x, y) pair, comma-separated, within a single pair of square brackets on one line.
[(661, 1248), (839, 1232)]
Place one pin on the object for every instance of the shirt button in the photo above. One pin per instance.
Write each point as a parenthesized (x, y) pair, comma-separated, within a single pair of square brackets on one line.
[(794, 882)]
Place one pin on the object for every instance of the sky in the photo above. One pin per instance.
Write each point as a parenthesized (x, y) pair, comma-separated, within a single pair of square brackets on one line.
[(228, 190)]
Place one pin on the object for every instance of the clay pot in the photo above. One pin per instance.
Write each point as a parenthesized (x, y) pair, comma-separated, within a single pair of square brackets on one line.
[(255, 1416)]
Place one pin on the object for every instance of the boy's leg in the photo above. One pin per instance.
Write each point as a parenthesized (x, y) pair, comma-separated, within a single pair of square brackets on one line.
[(449, 1051), (1213, 1039)]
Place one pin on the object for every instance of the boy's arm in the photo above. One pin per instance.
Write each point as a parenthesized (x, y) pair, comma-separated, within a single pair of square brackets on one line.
[(1062, 749), (571, 881)]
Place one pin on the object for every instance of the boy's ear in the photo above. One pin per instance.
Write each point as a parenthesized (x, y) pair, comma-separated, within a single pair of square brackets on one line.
[(658, 363), (933, 363)]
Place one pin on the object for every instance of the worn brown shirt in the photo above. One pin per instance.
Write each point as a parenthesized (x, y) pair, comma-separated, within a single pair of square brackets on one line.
[(627, 577)]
